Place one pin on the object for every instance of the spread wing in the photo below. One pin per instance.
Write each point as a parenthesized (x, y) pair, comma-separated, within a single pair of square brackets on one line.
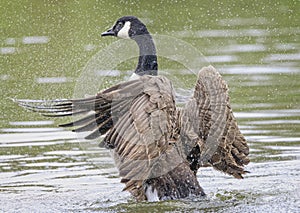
[(209, 131), (95, 112), (143, 138), (139, 119)]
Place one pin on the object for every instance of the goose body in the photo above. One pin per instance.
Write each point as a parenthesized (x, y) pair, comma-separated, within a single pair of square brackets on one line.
[(157, 146)]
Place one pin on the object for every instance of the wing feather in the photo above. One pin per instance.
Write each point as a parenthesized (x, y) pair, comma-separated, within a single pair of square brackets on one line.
[(214, 137), (94, 111), (141, 136)]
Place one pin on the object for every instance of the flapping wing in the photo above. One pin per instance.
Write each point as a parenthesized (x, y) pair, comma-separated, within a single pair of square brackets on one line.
[(95, 112), (209, 131), (142, 137), (138, 117)]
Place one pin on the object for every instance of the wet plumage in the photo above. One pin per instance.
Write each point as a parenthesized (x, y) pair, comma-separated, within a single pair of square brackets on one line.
[(158, 147)]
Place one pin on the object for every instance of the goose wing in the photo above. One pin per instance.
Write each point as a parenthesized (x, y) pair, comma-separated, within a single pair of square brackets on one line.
[(143, 139), (139, 119), (209, 131), (95, 112)]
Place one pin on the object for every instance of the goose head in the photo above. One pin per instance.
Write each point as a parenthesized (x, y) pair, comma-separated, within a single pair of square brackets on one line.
[(127, 27), (130, 27)]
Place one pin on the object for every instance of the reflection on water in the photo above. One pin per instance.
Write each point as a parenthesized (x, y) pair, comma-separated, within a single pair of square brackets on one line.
[(52, 80), (45, 167), (7, 50), (238, 33), (40, 160), (35, 40)]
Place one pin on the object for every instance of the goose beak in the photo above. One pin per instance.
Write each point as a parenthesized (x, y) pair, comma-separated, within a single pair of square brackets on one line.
[(109, 32)]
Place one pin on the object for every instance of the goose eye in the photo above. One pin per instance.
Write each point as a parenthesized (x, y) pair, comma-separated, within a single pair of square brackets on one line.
[(119, 25)]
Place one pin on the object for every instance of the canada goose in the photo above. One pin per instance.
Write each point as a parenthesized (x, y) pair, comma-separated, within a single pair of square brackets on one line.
[(158, 147)]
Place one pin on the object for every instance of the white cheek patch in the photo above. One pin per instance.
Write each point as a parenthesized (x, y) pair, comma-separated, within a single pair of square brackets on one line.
[(124, 32)]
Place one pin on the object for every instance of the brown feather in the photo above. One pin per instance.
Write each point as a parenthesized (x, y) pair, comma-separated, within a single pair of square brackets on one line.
[(224, 146), (156, 145)]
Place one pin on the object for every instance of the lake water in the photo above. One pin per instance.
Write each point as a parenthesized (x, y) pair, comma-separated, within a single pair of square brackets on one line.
[(45, 47)]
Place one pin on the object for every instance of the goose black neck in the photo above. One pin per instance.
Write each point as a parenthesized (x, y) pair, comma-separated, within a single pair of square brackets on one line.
[(147, 64)]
